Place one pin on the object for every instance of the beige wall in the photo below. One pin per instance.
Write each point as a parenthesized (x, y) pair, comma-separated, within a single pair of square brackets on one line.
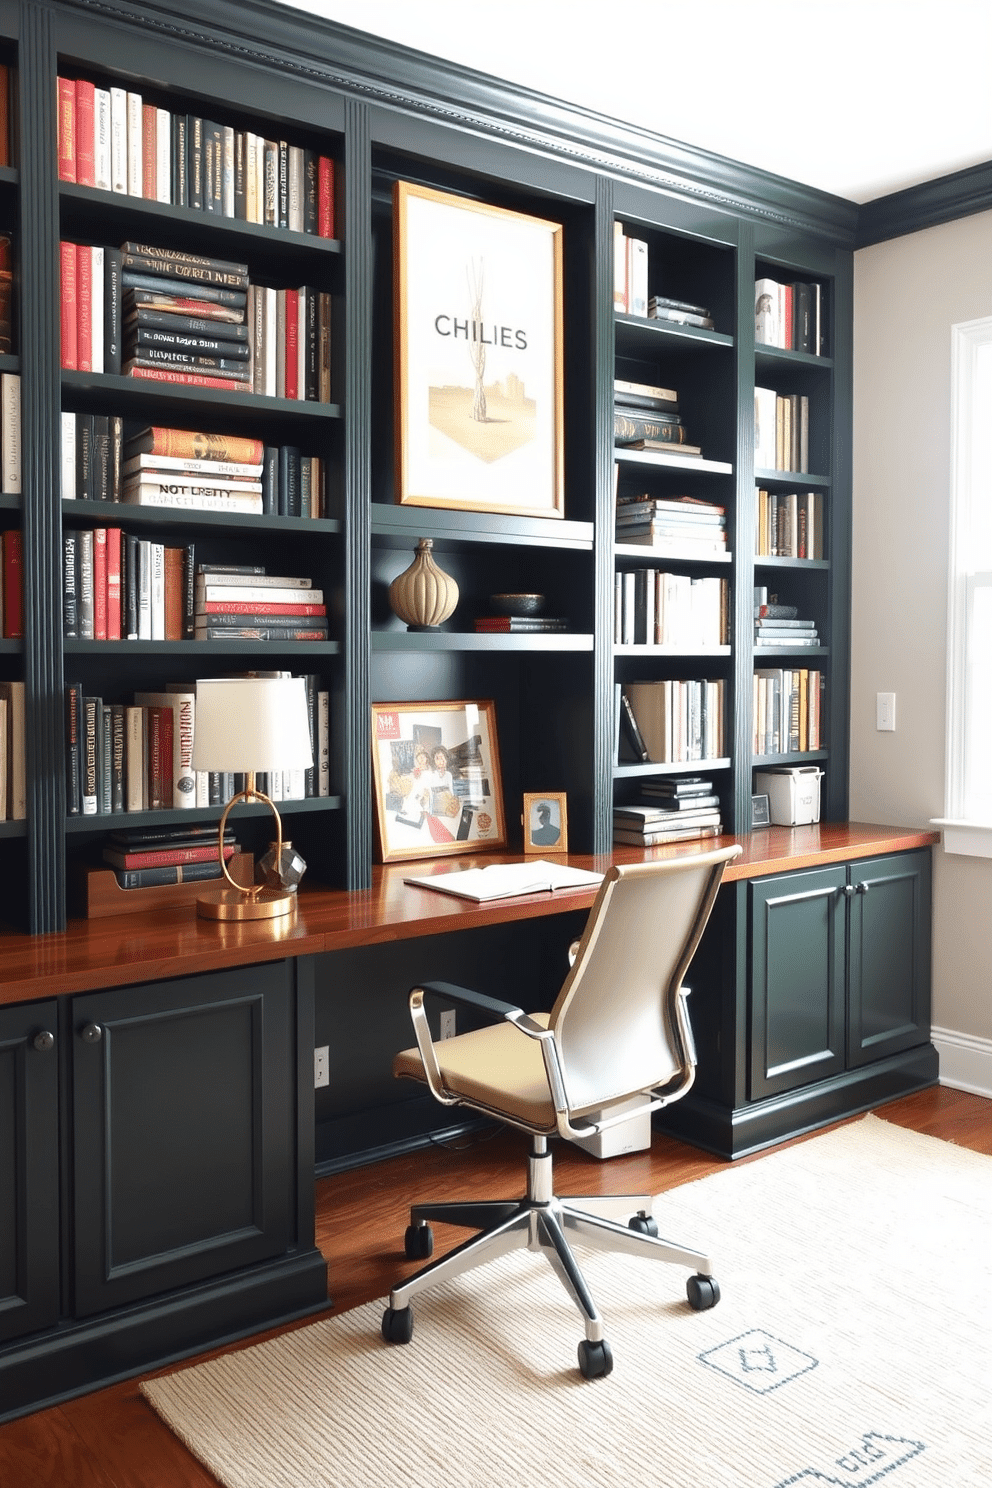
[(908, 294)]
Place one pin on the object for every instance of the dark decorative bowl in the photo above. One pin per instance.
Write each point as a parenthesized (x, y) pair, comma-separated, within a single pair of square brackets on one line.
[(517, 604)]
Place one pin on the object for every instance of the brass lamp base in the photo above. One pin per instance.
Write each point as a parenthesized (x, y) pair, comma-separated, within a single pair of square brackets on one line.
[(243, 904)]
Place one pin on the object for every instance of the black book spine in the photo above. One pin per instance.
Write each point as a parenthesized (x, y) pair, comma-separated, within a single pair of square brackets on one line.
[(116, 447), (289, 481), (213, 168), (70, 592), (130, 587), (283, 201), (209, 271), (634, 735), (147, 878), (310, 774), (144, 319), (100, 487), (112, 310), (240, 175), (271, 505), (180, 180), (308, 322), (106, 742), (84, 456), (117, 736), (802, 312), (194, 162), (311, 185), (189, 591), (73, 752), (141, 336)]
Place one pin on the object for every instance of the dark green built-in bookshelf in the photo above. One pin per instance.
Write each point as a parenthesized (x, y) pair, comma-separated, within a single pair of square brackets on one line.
[(385, 114)]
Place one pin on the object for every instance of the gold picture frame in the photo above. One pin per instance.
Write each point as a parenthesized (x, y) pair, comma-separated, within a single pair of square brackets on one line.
[(545, 822), (435, 769), (478, 345)]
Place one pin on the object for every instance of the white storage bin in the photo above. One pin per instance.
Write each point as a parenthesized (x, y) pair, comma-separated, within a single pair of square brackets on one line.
[(793, 793), (627, 1136)]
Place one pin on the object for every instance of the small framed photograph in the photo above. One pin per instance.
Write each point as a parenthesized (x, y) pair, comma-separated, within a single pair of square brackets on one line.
[(479, 355), (760, 814), (435, 769), (545, 822)]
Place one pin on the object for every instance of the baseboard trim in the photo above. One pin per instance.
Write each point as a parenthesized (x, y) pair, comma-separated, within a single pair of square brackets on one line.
[(965, 1061)]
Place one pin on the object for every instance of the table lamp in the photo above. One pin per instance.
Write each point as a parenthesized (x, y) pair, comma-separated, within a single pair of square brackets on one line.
[(247, 724)]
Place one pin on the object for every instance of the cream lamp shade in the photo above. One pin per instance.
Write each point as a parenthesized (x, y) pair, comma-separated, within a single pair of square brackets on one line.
[(251, 724)]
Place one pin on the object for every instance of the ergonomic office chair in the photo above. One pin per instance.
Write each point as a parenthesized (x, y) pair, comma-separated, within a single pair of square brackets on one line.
[(619, 1029)]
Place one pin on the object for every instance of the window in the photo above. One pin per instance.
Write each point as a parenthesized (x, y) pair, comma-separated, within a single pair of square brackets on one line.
[(967, 821)]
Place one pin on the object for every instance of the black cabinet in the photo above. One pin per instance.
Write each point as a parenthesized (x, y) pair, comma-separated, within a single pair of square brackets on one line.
[(184, 1108), (29, 1169), (840, 969)]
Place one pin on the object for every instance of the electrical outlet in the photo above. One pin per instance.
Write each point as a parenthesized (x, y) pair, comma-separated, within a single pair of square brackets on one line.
[(321, 1066), (446, 1025), (885, 712)]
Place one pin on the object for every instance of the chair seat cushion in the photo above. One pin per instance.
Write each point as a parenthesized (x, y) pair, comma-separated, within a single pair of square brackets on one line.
[(497, 1068)]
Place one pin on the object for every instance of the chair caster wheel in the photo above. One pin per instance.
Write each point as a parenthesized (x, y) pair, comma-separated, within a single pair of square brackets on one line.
[(397, 1325), (418, 1242), (703, 1292), (595, 1359), (644, 1224)]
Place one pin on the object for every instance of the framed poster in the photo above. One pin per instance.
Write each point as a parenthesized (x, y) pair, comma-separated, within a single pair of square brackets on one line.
[(545, 822), (435, 769), (478, 350)]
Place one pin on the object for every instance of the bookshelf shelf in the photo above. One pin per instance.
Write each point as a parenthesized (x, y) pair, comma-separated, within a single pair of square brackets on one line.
[(407, 641), (796, 757), (634, 333), (124, 514), (791, 478), (400, 526), (684, 464), (652, 555), (683, 767), (134, 398), (638, 649), (196, 815), (801, 564), (778, 357), (205, 649)]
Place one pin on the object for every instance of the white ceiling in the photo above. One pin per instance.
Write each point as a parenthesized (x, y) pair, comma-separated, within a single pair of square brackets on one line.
[(856, 97)]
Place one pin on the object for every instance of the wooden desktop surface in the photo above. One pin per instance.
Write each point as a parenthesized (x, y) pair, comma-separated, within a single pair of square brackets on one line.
[(154, 945)]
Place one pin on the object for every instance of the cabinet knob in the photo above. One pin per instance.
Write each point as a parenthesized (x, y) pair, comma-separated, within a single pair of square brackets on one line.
[(863, 888), (91, 1034), (43, 1040), (848, 891)]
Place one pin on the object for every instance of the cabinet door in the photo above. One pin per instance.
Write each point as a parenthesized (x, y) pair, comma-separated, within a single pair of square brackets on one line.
[(183, 1102), (797, 979), (29, 1169), (890, 956)]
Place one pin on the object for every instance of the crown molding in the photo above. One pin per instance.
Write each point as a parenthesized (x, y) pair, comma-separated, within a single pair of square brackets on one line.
[(960, 194), (382, 72)]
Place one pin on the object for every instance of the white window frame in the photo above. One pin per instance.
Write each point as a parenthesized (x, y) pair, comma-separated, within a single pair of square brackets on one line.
[(967, 819)]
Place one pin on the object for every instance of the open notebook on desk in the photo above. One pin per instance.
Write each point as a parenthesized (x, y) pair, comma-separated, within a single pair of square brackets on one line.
[(503, 880)]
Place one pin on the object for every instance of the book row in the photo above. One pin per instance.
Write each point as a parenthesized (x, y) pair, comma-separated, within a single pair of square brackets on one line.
[(172, 317), (138, 756), (13, 767), (674, 721), (787, 710), (790, 524), (670, 809), (630, 286), (781, 430), (115, 140), (98, 463), (11, 585), (791, 316), (119, 587), (655, 608)]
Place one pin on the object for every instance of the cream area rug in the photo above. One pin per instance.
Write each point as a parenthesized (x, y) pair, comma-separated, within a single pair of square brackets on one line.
[(852, 1346)]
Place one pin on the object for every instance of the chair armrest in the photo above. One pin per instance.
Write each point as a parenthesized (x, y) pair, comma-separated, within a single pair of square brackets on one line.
[(468, 997)]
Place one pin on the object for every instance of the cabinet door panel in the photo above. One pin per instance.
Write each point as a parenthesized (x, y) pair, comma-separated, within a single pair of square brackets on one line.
[(797, 980), (29, 1171), (184, 1095), (890, 956)]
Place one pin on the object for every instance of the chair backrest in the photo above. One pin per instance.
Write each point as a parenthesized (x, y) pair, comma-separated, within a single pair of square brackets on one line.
[(613, 1019)]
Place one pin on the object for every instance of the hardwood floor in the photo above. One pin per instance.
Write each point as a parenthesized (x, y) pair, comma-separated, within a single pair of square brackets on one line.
[(112, 1439)]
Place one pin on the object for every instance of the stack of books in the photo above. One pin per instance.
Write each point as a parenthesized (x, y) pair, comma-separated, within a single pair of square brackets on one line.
[(518, 624), (677, 809), (647, 417), (780, 625), (246, 603), (679, 312), (146, 858), (162, 291), (681, 524), (201, 472)]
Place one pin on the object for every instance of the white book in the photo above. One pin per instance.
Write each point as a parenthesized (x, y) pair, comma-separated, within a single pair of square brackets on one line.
[(148, 496), (765, 400), (295, 785), (163, 155), (13, 741), (301, 344), (68, 469), (227, 172), (637, 276), (135, 775), (323, 743), (251, 177), (135, 148), (203, 787), (96, 299), (219, 469), (178, 484), (10, 408), (118, 140), (256, 581), (158, 591), (297, 188), (270, 338), (84, 558), (101, 139), (274, 791), (144, 590), (255, 594), (183, 705)]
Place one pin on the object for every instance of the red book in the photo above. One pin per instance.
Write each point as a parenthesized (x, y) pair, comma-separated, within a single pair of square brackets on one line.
[(67, 129), (149, 152), (13, 585), (4, 114), (325, 197), (787, 338), (113, 583), (167, 857), (100, 583), (159, 767), (292, 343), (84, 308), (174, 593), (85, 136), (186, 379), (70, 340), (250, 607)]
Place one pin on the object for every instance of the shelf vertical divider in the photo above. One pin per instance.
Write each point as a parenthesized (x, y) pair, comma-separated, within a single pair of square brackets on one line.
[(40, 437), (742, 597), (354, 707), (604, 358)]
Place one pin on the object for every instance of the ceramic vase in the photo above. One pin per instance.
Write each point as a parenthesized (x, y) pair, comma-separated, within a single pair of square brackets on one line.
[(423, 595)]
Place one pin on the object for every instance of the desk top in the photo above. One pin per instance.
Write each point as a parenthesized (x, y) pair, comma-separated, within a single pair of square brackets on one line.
[(153, 945)]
